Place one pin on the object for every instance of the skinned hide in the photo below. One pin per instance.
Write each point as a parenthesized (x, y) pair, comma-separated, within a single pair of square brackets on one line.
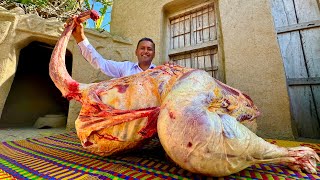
[(198, 118)]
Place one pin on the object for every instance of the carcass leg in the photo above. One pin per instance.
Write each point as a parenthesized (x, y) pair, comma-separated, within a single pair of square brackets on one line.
[(213, 143)]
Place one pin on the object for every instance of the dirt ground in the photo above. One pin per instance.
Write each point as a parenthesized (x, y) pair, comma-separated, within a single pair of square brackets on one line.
[(11, 134)]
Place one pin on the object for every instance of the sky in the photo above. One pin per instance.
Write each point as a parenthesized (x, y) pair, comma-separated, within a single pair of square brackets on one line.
[(107, 17)]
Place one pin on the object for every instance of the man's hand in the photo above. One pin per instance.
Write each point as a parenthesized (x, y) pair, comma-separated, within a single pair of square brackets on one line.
[(78, 32)]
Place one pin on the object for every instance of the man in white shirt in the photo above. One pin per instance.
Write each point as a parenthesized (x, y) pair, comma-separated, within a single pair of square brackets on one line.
[(145, 53)]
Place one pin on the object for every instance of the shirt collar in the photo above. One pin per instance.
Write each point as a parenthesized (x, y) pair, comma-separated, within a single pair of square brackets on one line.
[(150, 67)]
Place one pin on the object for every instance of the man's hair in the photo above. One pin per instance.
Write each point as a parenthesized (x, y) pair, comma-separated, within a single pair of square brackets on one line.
[(146, 39)]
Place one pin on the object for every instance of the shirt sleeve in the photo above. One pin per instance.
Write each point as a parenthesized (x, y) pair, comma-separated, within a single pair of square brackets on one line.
[(109, 67)]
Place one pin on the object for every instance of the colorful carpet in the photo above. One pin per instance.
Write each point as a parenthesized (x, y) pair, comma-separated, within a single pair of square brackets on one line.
[(62, 157)]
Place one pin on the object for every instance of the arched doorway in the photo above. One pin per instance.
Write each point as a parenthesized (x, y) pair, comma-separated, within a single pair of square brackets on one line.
[(33, 94)]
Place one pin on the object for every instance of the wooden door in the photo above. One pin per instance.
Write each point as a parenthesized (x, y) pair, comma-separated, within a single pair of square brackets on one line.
[(297, 25)]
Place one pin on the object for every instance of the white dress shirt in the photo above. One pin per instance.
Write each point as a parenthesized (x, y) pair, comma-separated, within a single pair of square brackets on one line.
[(109, 67)]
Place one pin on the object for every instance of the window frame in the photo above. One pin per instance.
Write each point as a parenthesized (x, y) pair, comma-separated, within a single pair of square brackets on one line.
[(215, 44)]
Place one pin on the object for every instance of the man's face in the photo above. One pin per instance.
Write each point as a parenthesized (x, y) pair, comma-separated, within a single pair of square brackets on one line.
[(145, 52)]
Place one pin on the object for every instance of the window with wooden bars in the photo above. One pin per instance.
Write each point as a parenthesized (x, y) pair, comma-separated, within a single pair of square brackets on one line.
[(193, 39)]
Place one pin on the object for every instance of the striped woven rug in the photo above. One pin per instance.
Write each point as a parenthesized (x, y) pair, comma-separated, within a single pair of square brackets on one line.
[(62, 157)]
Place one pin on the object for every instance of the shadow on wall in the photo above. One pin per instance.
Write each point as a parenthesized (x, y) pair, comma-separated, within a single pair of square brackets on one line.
[(32, 93)]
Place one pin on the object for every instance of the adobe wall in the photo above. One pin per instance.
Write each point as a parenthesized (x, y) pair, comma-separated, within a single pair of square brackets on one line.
[(17, 30), (251, 56)]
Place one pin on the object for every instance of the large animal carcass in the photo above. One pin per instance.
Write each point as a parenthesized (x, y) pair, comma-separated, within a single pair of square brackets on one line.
[(198, 119)]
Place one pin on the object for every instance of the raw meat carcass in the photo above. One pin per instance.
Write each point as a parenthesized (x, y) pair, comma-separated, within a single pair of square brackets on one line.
[(204, 139), (197, 117), (118, 114)]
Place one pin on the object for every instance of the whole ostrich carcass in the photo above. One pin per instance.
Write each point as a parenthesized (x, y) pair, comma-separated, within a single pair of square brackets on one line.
[(198, 119)]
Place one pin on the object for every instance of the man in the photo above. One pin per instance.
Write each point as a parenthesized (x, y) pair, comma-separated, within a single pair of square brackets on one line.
[(145, 53)]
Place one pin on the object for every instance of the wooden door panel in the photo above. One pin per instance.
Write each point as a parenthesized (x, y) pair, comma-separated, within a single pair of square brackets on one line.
[(316, 94), (297, 24), (292, 55), (307, 10), (283, 13), (304, 111), (311, 46)]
